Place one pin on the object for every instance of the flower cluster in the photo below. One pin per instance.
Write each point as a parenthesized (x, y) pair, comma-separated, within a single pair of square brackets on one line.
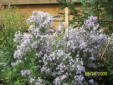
[(60, 58), (25, 72), (24, 45), (42, 20)]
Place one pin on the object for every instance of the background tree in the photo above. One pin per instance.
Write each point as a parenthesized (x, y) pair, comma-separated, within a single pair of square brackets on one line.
[(103, 9)]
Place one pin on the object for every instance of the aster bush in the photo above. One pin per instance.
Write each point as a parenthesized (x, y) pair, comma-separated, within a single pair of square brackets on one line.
[(46, 57)]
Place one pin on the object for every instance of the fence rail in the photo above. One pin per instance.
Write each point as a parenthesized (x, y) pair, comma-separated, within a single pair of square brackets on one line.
[(17, 2)]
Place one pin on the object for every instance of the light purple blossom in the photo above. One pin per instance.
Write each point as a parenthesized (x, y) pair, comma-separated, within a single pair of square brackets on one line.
[(58, 31), (80, 69), (79, 79), (17, 37), (25, 72), (92, 58), (91, 81)]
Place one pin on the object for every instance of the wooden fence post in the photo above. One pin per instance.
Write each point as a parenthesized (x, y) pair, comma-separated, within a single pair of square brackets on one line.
[(108, 43), (66, 20)]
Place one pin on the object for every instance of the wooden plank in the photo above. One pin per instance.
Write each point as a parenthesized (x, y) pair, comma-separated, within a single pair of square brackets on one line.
[(14, 2), (17, 2), (66, 20)]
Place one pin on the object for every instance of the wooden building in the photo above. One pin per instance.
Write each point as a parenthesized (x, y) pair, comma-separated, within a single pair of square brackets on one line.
[(28, 6)]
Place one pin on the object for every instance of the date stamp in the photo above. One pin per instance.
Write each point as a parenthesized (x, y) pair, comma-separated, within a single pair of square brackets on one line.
[(95, 73)]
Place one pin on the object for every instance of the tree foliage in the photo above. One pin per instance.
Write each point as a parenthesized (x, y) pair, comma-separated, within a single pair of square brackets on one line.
[(99, 8)]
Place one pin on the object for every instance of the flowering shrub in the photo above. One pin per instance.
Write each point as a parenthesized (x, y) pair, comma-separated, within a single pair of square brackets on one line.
[(11, 21), (46, 57)]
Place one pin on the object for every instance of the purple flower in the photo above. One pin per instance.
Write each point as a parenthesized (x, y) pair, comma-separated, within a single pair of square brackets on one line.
[(79, 79), (91, 81), (80, 69), (58, 31), (25, 72), (92, 58)]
